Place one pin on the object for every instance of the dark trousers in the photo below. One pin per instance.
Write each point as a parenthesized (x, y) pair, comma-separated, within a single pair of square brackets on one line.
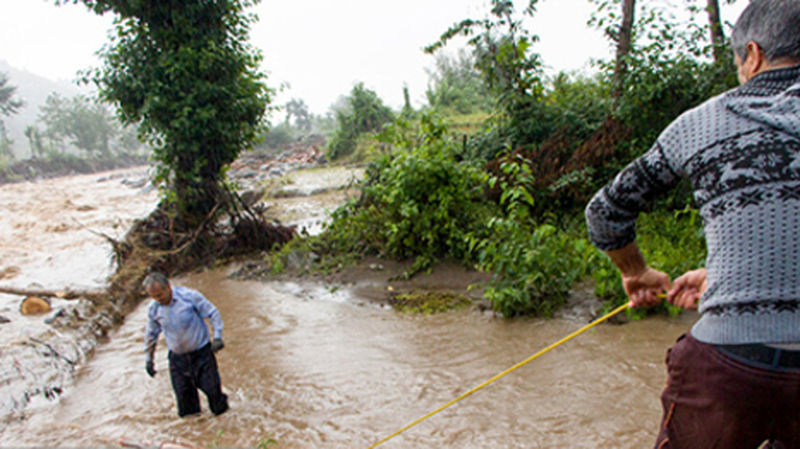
[(197, 369), (716, 400)]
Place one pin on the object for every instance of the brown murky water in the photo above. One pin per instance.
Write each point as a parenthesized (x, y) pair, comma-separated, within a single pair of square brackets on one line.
[(312, 366)]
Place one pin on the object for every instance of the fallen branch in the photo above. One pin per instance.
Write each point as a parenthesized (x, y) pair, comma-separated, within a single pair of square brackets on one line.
[(94, 296)]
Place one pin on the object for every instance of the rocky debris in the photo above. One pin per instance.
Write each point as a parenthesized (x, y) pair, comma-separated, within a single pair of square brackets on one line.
[(42, 366), (252, 270), (37, 169), (148, 444), (9, 272), (137, 183), (253, 196), (259, 167), (584, 306)]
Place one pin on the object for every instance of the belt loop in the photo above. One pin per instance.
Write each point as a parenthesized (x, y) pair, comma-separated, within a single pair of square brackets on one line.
[(776, 359)]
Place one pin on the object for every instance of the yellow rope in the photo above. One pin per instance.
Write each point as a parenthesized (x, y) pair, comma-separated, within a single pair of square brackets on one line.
[(518, 365)]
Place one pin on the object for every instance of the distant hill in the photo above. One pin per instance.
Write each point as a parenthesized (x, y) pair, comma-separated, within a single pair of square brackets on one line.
[(33, 90)]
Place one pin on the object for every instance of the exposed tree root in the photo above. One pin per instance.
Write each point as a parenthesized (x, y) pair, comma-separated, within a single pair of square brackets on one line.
[(159, 243)]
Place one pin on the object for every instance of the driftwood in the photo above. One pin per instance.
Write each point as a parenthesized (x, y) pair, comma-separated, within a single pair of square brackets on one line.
[(94, 296), (34, 305)]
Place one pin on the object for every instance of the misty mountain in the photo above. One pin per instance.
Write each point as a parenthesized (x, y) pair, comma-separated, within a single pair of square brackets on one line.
[(33, 90)]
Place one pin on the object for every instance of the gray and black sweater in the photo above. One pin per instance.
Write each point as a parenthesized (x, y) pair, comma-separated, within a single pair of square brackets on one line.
[(741, 152)]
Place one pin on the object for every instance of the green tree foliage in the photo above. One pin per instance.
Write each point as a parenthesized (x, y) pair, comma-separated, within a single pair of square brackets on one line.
[(185, 71), (80, 121), (503, 54), (8, 106), (577, 102), (297, 109), (670, 66), (278, 136), (455, 86), (418, 202), (363, 113), (36, 140)]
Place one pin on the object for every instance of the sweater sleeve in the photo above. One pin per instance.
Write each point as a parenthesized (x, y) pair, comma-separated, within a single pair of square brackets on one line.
[(611, 214)]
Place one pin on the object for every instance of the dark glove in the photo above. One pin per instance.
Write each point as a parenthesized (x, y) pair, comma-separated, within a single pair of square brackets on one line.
[(148, 366), (217, 344)]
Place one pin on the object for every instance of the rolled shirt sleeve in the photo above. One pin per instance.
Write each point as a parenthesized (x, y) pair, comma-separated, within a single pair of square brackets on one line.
[(153, 327), (209, 311)]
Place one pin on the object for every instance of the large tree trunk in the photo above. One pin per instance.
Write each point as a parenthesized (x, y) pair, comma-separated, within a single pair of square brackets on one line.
[(717, 36), (623, 46)]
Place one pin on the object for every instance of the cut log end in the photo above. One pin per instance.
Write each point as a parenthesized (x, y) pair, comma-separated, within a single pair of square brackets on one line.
[(34, 305)]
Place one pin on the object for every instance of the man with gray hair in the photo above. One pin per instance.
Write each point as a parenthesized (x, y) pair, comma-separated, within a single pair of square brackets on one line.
[(734, 379), (181, 313)]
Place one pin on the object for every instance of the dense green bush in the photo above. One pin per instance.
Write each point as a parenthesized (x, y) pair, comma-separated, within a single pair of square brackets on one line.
[(418, 201), (534, 265)]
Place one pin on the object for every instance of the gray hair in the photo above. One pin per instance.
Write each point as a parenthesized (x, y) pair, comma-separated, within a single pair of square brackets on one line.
[(772, 24), (155, 278)]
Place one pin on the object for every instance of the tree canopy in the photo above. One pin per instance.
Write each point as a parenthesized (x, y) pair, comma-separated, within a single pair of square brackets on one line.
[(364, 112), (8, 105), (184, 71)]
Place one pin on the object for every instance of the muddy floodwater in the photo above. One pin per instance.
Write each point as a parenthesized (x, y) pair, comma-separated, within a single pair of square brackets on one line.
[(310, 364)]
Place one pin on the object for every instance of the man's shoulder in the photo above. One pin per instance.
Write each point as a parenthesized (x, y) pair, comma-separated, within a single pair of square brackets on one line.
[(152, 307), (709, 115), (711, 107), (186, 293)]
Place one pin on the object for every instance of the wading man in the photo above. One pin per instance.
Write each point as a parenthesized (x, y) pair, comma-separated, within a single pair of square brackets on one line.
[(181, 312), (734, 379)]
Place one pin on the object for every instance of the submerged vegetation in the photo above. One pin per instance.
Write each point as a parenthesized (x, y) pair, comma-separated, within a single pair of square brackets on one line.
[(427, 302)]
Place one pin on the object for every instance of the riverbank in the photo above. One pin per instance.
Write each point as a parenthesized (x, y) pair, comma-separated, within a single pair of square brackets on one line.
[(39, 169)]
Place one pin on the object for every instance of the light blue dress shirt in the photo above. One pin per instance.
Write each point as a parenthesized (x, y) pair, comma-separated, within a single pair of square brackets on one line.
[(183, 321)]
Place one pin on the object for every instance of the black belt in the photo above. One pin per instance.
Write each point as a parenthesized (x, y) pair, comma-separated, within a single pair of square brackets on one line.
[(764, 355)]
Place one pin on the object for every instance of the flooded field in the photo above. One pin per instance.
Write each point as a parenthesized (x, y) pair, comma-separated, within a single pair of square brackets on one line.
[(313, 364)]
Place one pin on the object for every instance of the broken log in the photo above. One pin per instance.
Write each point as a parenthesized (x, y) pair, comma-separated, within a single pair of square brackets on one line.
[(95, 296)]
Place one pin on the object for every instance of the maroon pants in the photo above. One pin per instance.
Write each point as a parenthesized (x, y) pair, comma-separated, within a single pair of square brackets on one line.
[(712, 400)]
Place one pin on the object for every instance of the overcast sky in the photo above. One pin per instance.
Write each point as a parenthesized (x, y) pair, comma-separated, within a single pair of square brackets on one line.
[(320, 48)]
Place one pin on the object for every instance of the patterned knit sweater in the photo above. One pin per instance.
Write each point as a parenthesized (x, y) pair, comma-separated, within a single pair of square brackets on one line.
[(741, 153)]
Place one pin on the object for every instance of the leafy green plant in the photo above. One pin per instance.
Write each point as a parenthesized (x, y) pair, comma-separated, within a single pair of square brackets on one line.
[(534, 265), (418, 201)]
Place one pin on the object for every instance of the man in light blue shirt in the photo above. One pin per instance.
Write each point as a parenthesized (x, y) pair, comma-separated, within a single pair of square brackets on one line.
[(181, 312)]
